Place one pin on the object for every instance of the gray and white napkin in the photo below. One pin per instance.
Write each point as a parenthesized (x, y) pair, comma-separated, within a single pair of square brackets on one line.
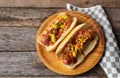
[(111, 59)]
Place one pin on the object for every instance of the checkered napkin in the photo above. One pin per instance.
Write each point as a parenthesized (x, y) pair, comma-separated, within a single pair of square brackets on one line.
[(111, 59)]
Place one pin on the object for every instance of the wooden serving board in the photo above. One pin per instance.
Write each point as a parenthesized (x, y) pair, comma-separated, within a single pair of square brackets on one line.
[(49, 59)]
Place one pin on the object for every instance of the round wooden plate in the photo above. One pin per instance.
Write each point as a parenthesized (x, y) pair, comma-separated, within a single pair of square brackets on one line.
[(49, 59)]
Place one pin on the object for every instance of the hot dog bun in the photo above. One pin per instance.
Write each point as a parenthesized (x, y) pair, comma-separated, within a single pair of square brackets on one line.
[(88, 47), (53, 47)]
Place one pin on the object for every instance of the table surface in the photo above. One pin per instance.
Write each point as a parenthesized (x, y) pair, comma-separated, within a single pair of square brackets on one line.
[(19, 23)]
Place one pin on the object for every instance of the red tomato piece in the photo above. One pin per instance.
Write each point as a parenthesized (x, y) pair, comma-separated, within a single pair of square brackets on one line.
[(66, 58), (45, 39), (68, 23), (59, 34), (81, 32)]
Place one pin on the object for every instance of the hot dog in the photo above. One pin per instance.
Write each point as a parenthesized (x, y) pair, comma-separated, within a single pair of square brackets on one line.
[(56, 31), (76, 46)]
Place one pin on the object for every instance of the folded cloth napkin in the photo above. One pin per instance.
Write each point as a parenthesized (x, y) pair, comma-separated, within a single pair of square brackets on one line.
[(111, 59)]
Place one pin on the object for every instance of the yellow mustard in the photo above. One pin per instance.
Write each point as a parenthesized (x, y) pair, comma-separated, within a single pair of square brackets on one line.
[(63, 26), (74, 53), (52, 36), (65, 17), (54, 26)]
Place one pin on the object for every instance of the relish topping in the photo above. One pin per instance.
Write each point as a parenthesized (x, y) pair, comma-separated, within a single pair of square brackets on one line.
[(75, 45), (56, 29)]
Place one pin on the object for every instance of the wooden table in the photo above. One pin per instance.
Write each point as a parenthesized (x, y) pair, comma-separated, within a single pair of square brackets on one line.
[(19, 22)]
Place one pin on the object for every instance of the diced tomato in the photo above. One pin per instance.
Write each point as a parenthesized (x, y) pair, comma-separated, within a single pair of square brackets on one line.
[(70, 54), (44, 39), (59, 34), (68, 23), (66, 58), (67, 61), (65, 49), (81, 32)]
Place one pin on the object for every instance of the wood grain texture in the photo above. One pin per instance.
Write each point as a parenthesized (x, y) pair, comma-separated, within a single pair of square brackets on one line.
[(22, 64), (17, 39), (57, 3), (23, 38), (28, 64), (113, 16), (33, 17), (60, 77)]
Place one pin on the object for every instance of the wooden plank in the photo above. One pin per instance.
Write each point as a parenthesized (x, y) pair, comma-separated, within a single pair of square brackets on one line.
[(61, 77), (17, 39), (57, 3), (117, 35), (23, 38), (22, 64), (28, 64), (16, 25), (33, 17), (113, 16)]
